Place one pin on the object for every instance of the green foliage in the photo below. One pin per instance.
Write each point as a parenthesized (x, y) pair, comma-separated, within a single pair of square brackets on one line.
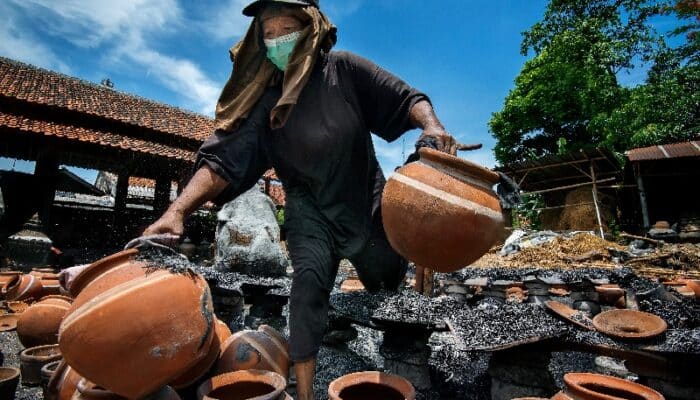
[(567, 96), (527, 213), (280, 216)]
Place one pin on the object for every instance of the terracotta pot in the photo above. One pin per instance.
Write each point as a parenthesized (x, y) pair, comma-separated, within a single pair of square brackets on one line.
[(241, 385), (39, 324), (17, 307), (221, 333), (441, 212), (50, 287), (107, 273), (9, 377), (371, 385), (694, 284), (24, 288), (629, 324), (8, 322), (586, 386), (612, 295), (264, 349), (150, 330), (31, 361), (47, 372), (5, 278), (63, 383)]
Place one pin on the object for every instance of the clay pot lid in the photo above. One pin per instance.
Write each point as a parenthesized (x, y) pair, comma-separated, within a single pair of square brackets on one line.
[(629, 324), (603, 387), (459, 164), (395, 382), (570, 315), (8, 322), (97, 268)]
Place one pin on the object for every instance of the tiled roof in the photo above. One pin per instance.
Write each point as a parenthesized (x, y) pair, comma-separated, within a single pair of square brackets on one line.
[(675, 150), (81, 134), (39, 86)]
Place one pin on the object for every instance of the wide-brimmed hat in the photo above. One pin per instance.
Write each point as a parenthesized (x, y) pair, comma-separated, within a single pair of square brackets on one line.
[(252, 9)]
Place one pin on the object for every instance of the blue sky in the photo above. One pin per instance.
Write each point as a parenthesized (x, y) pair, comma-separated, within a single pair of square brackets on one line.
[(463, 53)]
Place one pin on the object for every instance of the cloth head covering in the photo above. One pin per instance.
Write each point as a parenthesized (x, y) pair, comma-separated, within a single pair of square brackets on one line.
[(253, 72)]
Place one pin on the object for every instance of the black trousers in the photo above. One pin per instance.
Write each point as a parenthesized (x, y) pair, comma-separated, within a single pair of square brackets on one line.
[(315, 264)]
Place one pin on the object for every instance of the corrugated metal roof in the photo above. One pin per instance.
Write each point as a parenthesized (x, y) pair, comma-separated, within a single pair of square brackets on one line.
[(660, 152)]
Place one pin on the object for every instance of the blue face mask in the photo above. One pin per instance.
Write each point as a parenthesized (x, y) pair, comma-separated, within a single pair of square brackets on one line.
[(279, 49)]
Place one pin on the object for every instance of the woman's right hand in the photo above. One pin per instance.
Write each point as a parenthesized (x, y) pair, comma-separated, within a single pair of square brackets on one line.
[(169, 223)]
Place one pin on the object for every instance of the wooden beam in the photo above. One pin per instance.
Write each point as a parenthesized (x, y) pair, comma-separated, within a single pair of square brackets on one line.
[(569, 186), (642, 196), (595, 201)]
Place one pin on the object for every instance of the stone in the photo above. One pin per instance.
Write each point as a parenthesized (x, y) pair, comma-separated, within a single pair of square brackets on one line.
[(248, 236)]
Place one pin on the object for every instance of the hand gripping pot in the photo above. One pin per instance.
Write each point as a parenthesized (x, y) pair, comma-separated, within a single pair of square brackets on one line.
[(135, 337), (441, 211)]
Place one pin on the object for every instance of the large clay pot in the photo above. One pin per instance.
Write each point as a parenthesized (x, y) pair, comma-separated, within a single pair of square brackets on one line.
[(9, 377), (264, 349), (63, 383), (24, 288), (107, 273), (134, 338), (242, 385), (586, 386), (6, 277), (33, 359), (39, 324), (50, 287), (371, 385), (221, 333), (441, 212)]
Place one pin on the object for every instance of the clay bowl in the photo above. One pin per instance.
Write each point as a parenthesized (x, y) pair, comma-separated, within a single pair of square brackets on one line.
[(9, 377), (264, 349), (17, 307), (8, 322), (33, 359), (441, 212), (150, 329), (629, 324), (371, 385), (241, 385), (106, 273), (570, 315), (586, 386), (39, 324), (611, 294)]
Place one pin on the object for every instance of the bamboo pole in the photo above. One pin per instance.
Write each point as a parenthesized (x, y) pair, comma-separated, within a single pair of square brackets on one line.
[(595, 201)]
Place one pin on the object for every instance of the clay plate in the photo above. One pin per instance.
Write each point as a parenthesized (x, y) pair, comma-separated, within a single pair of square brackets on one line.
[(629, 324), (569, 314)]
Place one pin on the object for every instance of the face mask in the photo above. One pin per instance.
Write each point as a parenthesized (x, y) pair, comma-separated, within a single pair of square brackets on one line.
[(279, 49)]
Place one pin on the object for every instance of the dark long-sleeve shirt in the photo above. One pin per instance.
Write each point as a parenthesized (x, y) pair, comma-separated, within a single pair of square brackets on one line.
[(324, 155)]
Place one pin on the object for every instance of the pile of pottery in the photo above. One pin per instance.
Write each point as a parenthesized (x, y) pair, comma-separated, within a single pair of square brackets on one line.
[(17, 286), (585, 386)]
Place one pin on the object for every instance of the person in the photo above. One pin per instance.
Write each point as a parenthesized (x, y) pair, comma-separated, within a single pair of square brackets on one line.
[(296, 106)]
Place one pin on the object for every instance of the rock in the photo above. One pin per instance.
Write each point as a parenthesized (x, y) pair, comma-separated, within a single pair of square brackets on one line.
[(248, 236)]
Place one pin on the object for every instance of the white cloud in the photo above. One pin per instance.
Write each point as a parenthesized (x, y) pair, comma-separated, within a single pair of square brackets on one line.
[(227, 22), (19, 44), (127, 31)]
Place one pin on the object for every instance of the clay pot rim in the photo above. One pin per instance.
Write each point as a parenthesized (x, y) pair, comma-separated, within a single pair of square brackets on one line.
[(396, 382), (277, 381), (12, 303), (459, 164), (88, 274), (56, 297), (50, 365), (599, 321), (575, 380), (15, 373), (14, 317), (27, 353)]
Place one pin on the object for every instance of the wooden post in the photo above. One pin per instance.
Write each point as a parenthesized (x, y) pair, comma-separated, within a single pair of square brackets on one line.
[(161, 198), (595, 201), (642, 196), (121, 192), (46, 170)]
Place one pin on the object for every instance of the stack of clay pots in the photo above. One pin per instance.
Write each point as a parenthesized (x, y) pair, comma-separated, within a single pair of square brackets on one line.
[(134, 328)]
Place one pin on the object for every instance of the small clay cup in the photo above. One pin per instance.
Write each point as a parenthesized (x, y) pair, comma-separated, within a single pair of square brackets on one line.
[(33, 359), (9, 377), (371, 385)]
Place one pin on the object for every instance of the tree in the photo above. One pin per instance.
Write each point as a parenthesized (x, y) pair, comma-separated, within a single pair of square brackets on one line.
[(569, 89)]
